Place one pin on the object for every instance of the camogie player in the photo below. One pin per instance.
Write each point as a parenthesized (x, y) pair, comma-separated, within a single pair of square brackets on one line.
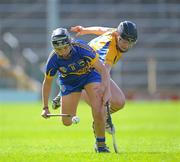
[(77, 65)]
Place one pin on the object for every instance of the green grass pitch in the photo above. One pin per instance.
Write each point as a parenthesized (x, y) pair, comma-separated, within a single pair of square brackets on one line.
[(145, 131)]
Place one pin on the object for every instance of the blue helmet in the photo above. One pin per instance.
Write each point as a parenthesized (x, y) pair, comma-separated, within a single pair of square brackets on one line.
[(128, 31), (60, 38)]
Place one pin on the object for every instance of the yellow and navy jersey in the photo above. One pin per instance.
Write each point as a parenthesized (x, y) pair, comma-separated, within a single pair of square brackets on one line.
[(80, 62), (105, 46)]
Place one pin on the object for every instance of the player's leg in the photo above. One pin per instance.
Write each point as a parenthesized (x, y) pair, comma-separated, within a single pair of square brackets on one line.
[(69, 105), (117, 99), (96, 105), (98, 112), (117, 102)]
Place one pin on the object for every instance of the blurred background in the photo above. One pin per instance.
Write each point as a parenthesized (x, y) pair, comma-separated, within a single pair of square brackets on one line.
[(151, 70)]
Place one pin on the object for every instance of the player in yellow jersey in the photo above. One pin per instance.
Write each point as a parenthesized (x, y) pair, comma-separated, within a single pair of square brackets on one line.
[(111, 44)]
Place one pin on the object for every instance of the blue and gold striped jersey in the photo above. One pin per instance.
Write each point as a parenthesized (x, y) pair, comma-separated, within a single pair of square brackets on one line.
[(105, 46), (80, 62)]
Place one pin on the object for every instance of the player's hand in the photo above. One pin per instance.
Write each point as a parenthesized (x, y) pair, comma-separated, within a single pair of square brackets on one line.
[(104, 93), (44, 113), (77, 29), (106, 96)]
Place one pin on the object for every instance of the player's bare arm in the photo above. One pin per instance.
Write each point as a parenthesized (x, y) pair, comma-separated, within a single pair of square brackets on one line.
[(105, 83), (97, 30), (108, 67), (46, 89)]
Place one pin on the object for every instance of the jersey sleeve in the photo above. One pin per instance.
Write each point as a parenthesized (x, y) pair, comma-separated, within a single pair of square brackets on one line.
[(51, 69), (111, 53)]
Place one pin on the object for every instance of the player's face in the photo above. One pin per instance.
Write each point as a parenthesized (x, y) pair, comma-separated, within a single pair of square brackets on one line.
[(63, 52), (124, 45)]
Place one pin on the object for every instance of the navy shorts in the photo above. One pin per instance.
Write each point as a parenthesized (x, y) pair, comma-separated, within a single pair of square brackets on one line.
[(78, 86)]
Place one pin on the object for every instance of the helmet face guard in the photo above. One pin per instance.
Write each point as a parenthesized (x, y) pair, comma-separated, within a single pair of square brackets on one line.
[(60, 38), (128, 38), (61, 43)]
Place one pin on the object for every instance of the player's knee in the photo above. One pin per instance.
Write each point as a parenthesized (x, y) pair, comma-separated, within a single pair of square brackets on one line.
[(123, 101), (118, 104), (66, 122), (121, 104)]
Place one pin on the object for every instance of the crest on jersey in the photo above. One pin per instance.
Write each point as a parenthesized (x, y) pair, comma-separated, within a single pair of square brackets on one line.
[(62, 69)]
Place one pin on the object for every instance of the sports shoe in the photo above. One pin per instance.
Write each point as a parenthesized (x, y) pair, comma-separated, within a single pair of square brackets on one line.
[(103, 149), (56, 102)]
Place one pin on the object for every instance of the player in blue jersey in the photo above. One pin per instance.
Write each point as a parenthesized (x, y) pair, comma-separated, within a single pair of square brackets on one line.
[(79, 68)]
